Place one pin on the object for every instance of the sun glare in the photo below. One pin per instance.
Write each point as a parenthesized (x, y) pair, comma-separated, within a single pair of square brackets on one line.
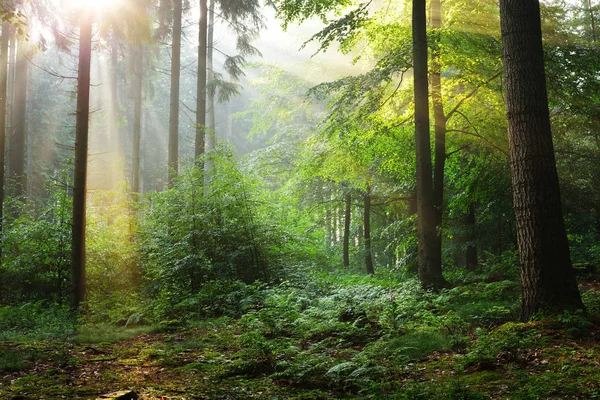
[(96, 5)]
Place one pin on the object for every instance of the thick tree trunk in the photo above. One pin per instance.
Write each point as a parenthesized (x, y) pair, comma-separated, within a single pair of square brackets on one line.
[(471, 253), (347, 217), (201, 84), (173, 158), (547, 276), (3, 95), (367, 230), (137, 118), (17, 140), (439, 119), (430, 263), (81, 155)]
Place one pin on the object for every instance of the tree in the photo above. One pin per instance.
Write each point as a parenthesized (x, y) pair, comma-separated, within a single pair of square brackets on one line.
[(81, 156), (367, 231), (430, 262), (201, 88), (17, 138), (138, 72), (547, 277), (173, 157), (3, 94), (347, 220)]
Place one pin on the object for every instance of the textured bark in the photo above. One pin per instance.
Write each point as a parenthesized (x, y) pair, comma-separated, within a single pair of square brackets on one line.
[(81, 156), (137, 118), (201, 84), (547, 277), (471, 253), (430, 268), (3, 95), (439, 119), (173, 157), (17, 139), (367, 230), (347, 217)]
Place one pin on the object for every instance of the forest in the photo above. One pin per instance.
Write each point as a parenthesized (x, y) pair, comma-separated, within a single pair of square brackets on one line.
[(299, 199)]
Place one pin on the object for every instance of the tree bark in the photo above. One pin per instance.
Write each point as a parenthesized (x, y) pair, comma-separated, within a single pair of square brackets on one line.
[(81, 155), (3, 95), (201, 85), (547, 277), (439, 119), (367, 229), (347, 217), (17, 139), (430, 268), (137, 118), (173, 158)]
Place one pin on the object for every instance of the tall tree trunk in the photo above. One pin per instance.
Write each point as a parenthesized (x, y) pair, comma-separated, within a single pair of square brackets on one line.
[(138, 72), (10, 96), (201, 84), (439, 119), (430, 263), (210, 132), (113, 134), (17, 140), (210, 144), (547, 276), (367, 229), (471, 253), (3, 95), (81, 155), (173, 158), (347, 216)]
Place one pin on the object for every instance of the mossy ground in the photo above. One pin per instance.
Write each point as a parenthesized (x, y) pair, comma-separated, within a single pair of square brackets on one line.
[(211, 363)]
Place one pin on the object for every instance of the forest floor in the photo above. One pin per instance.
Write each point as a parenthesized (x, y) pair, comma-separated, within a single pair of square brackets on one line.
[(261, 357)]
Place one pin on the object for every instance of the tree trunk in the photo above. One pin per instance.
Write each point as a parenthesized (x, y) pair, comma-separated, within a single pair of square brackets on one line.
[(347, 216), (471, 253), (210, 133), (10, 96), (367, 229), (3, 95), (17, 139), (592, 19), (201, 84), (137, 118), (113, 134), (547, 277), (81, 155), (439, 119), (430, 268), (173, 158)]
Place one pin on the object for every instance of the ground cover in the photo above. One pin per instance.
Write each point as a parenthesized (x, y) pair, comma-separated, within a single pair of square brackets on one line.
[(329, 340)]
